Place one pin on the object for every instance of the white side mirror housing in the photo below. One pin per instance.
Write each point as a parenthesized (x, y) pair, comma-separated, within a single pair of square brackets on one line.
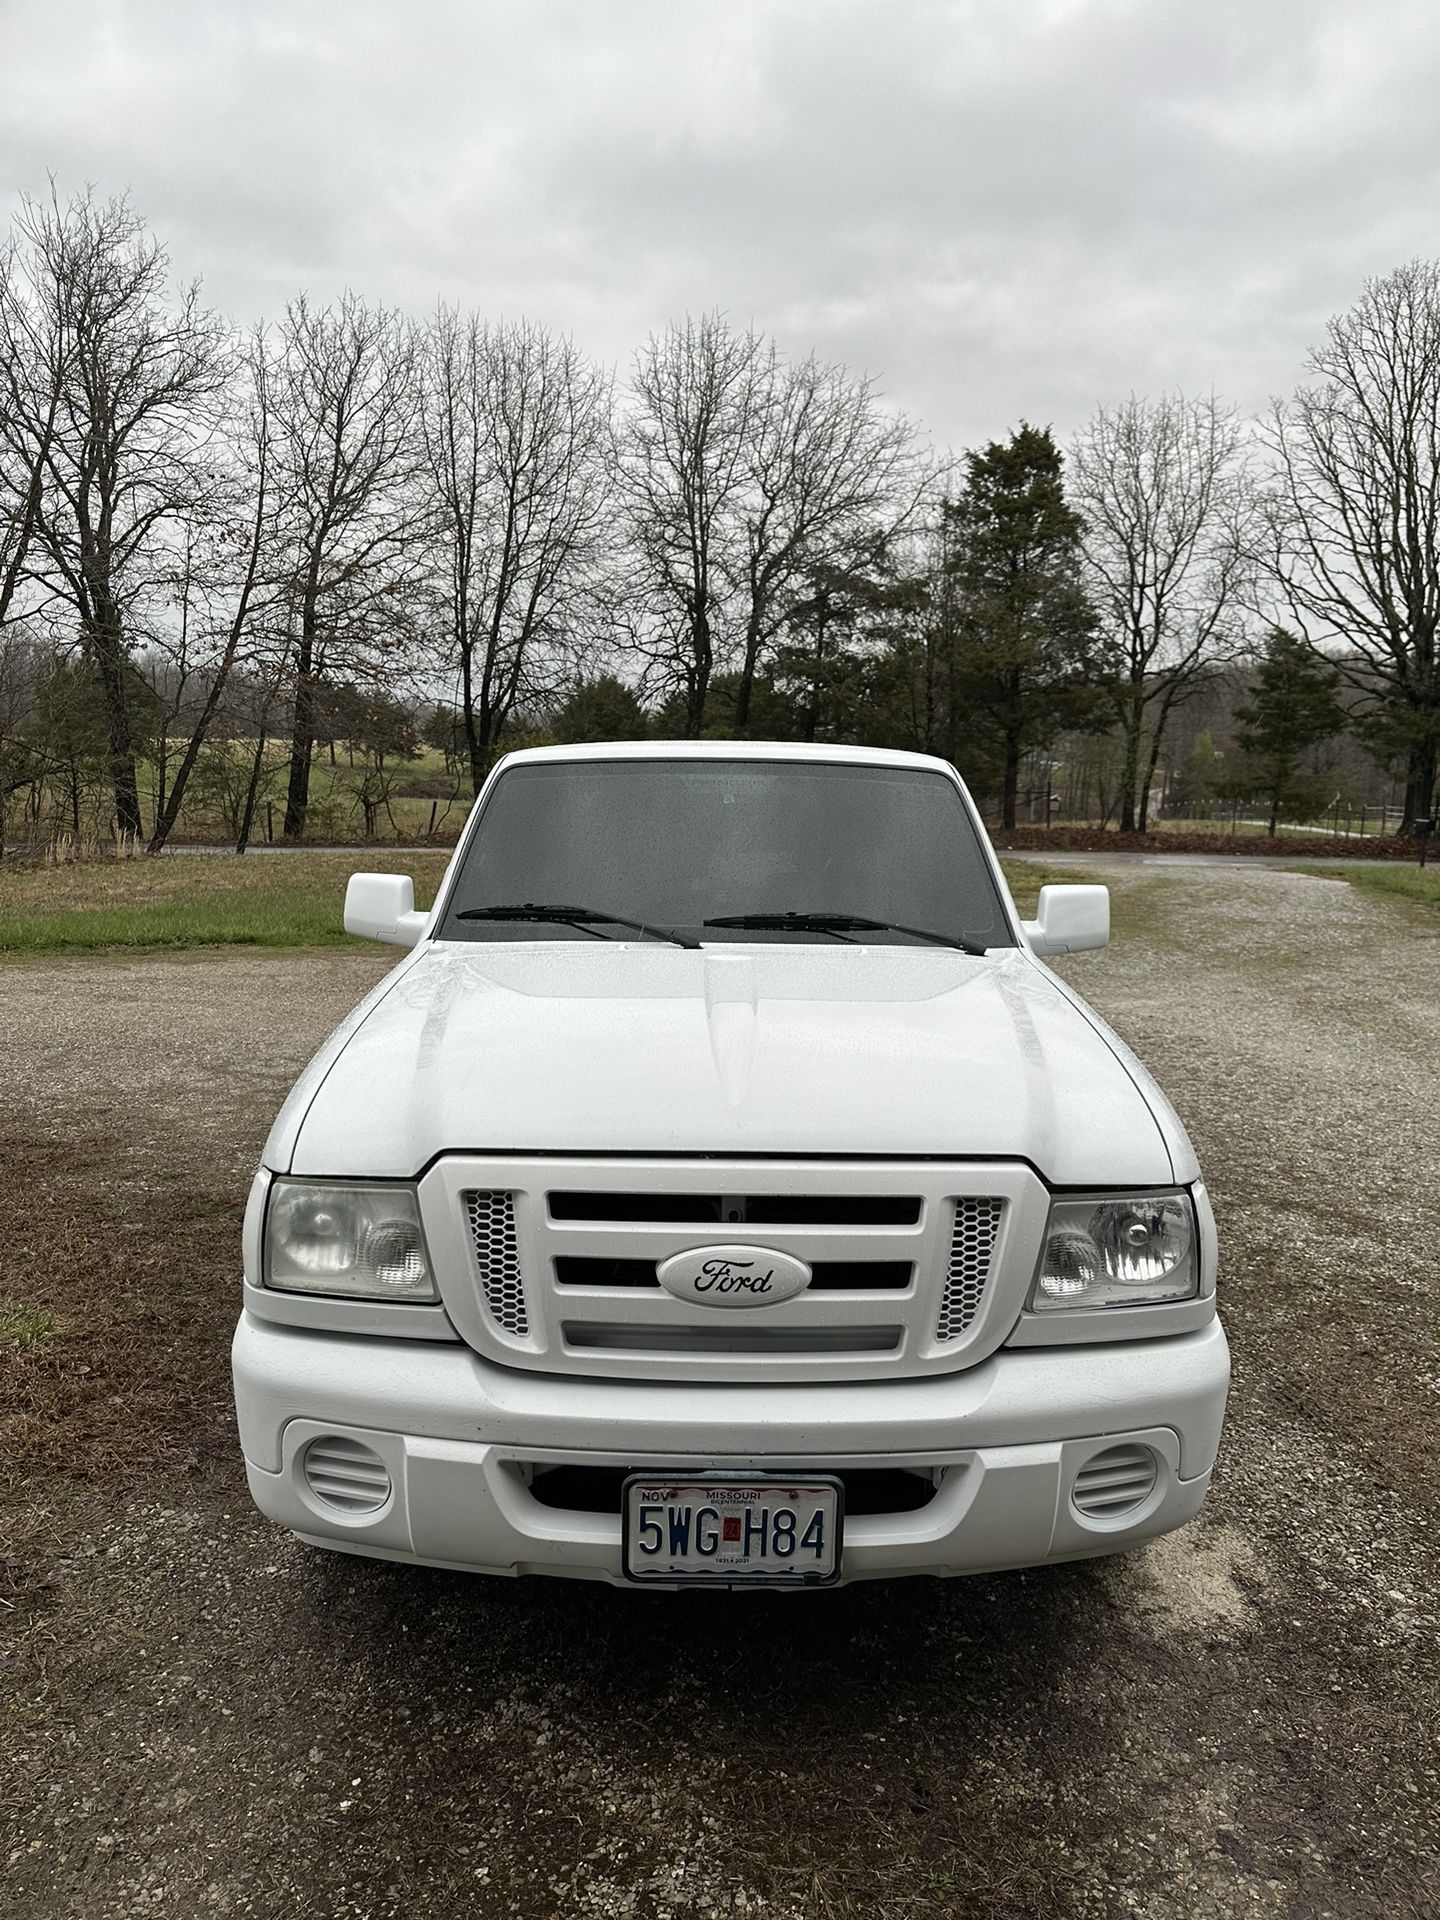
[(381, 906), (1069, 920)]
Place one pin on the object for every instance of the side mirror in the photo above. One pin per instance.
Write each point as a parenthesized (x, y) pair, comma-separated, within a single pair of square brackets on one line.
[(1069, 920), (381, 906)]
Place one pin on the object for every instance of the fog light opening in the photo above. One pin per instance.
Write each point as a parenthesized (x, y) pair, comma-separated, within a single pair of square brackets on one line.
[(1113, 1485), (344, 1476)]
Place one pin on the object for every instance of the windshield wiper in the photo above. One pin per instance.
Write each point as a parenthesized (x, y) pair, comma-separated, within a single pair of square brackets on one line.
[(840, 924), (585, 917)]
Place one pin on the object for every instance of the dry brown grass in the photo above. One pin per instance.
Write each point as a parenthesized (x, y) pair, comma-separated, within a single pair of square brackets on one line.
[(119, 1296)]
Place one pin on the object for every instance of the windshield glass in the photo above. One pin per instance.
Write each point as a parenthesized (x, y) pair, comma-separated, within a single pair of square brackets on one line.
[(676, 843)]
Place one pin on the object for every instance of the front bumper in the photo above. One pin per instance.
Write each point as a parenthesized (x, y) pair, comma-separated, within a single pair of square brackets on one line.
[(461, 1438)]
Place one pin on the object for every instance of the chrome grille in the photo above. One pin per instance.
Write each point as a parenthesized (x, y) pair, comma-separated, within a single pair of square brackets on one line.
[(972, 1248), (491, 1217)]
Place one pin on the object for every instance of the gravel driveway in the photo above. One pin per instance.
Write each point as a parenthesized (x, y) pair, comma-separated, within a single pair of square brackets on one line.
[(198, 1716)]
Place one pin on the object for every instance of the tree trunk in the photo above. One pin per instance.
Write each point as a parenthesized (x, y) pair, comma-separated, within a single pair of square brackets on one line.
[(302, 732), (474, 740), (812, 700), (1010, 781), (169, 813), (1419, 784), (302, 747), (247, 817), (748, 667), (702, 656), (1129, 778), (1150, 766), (107, 647)]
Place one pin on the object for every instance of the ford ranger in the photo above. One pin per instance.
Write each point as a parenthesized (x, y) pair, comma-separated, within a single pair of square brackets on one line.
[(722, 1191)]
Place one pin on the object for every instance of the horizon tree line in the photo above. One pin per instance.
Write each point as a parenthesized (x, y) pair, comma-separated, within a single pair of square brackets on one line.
[(205, 534)]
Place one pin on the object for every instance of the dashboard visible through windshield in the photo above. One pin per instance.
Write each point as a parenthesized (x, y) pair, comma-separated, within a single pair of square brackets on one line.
[(778, 850)]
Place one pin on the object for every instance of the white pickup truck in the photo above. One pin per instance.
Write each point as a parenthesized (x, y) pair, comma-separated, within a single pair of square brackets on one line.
[(722, 1191)]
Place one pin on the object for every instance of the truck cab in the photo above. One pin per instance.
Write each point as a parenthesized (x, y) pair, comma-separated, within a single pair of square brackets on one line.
[(723, 1191)]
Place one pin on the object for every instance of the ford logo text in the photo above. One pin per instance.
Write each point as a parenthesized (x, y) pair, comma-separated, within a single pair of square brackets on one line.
[(733, 1276)]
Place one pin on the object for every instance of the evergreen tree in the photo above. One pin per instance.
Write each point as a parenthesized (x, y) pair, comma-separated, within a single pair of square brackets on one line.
[(1027, 660), (1292, 708), (601, 709)]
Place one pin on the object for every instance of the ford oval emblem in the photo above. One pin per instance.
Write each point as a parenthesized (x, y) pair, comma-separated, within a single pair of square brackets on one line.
[(733, 1276)]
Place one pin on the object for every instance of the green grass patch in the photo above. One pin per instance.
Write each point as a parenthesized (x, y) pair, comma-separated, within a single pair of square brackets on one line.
[(24, 1327), (1420, 884), (1026, 877), (254, 900), (193, 900)]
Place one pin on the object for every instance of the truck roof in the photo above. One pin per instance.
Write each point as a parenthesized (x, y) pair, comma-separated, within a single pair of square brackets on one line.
[(729, 750)]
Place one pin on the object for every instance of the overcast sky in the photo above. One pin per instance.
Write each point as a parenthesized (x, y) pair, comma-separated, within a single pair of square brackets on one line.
[(1002, 208)]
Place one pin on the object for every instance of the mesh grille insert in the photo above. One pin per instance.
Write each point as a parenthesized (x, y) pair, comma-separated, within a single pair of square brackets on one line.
[(491, 1218), (972, 1246)]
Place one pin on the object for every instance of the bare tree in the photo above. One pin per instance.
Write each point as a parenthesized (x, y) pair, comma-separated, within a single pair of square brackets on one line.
[(516, 430), (1355, 532), (1165, 494), (748, 478), (220, 590), (126, 455), (828, 471), (685, 451), (342, 446), (24, 759), (34, 362)]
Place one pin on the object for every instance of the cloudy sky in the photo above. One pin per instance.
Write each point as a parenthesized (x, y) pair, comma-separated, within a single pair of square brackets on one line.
[(1002, 208)]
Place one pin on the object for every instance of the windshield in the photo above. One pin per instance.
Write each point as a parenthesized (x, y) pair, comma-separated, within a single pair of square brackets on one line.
[(676, 844)]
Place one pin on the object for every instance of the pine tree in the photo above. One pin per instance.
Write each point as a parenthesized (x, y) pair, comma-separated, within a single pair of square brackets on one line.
[(1026, 656), (1292, 708)]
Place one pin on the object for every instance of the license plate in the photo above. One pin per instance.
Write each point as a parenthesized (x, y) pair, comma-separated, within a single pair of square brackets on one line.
[(721, 1529)]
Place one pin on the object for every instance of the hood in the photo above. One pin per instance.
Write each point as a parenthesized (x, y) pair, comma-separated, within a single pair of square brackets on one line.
[(775, 1049)]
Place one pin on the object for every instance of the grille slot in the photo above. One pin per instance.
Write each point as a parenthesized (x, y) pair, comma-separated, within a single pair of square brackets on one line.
[(346, 1475), (724, 1209), (868, 1490), (1114, 1483), (972, 1247), (627, 1336), (491, 1219), (827, 1276)]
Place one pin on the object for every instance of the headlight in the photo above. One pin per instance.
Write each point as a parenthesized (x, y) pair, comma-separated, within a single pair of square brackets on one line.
[(364, 1241), (1128, 1252)]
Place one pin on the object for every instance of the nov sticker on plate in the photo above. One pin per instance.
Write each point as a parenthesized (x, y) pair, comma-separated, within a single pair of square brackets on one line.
[(724, 1529)]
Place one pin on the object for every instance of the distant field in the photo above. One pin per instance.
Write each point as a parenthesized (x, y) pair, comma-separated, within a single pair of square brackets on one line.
[(260, 900), (214, 800)]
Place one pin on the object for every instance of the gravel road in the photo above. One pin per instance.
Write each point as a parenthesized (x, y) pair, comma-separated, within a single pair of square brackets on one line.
[(198, 1716)]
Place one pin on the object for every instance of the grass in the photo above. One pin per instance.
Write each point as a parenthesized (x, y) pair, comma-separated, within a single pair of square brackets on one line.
[(1420, 884), (1026, 877), (262, 900), (112, 1336), (24, 1327), (280, 900)]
